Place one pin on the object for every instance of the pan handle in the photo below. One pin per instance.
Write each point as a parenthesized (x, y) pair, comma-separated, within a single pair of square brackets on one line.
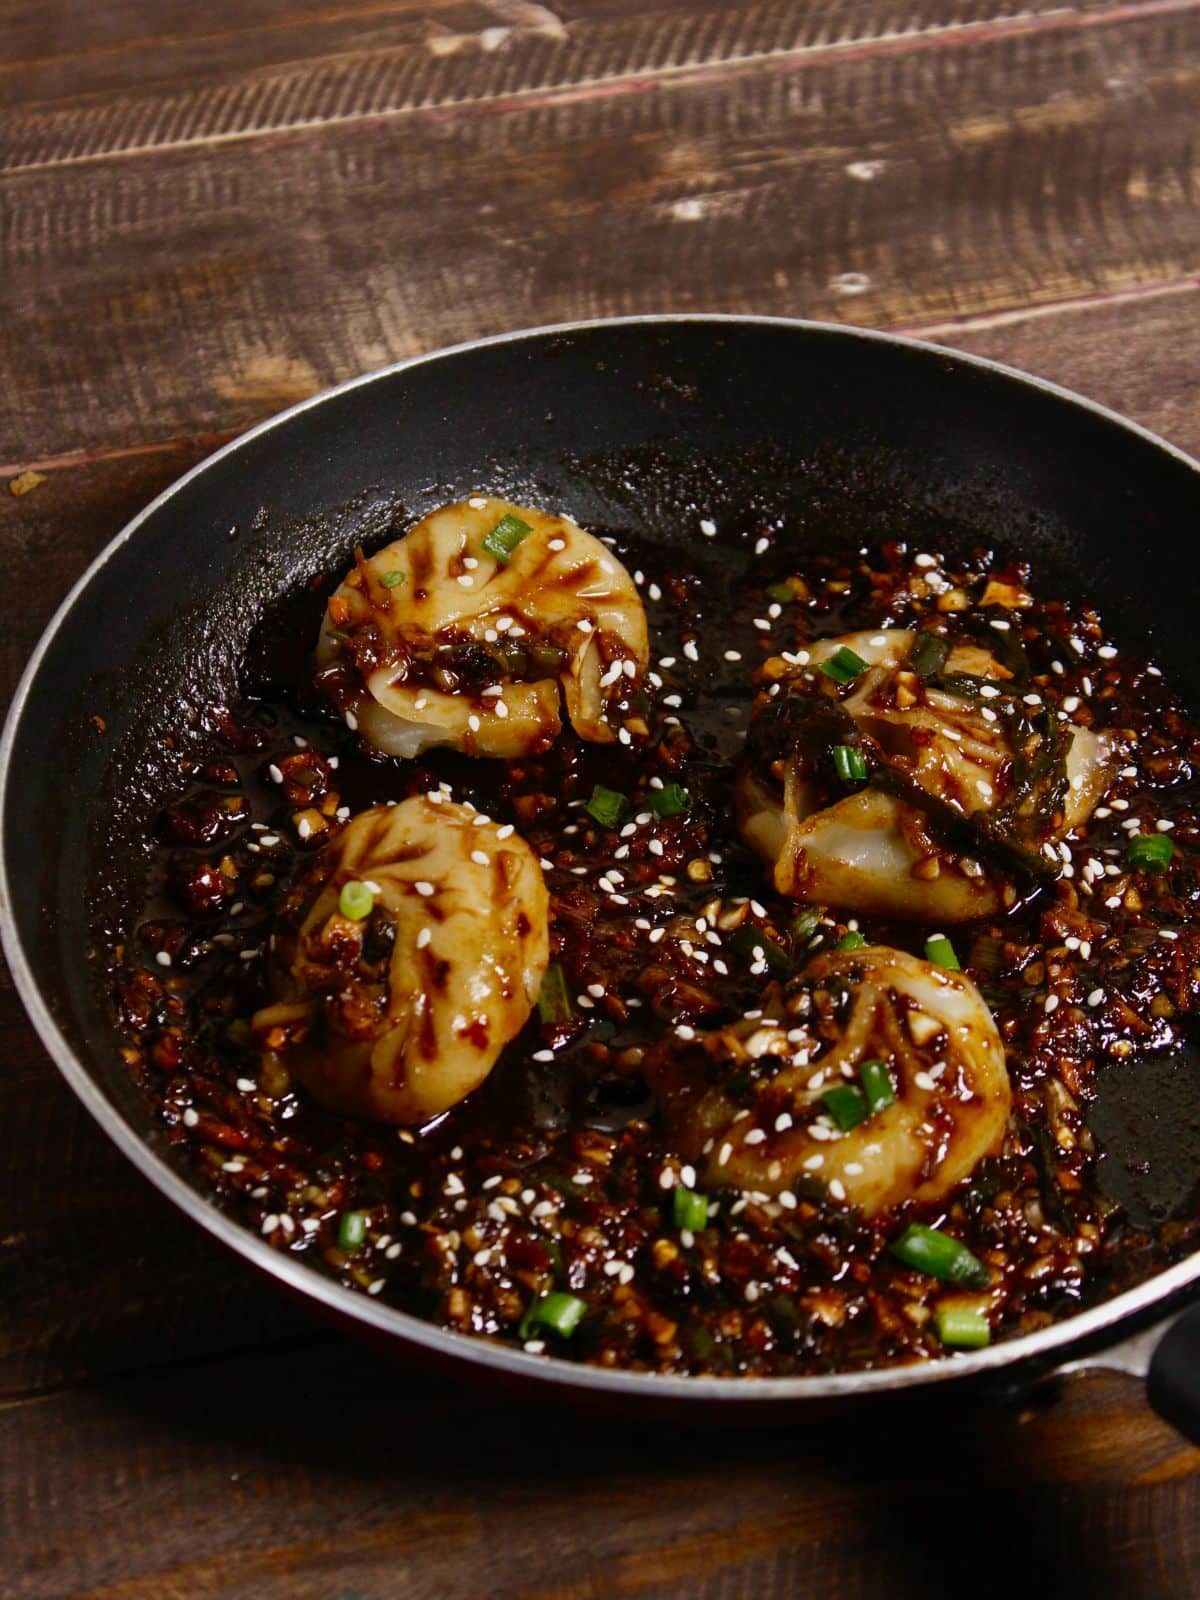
[(1167, 1356)]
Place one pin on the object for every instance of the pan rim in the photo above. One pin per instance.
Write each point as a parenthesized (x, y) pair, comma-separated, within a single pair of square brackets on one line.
[(1040, 1347)]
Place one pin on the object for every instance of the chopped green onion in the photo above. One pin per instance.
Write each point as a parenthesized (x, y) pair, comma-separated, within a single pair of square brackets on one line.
[(940, 951), (783, 592), (844, 665), (805, 923), (505, 537), (928, 654), (356, 900), (554, 1003), (690, 1208), (672, 800), (850, 763), (606, 806), (929, 1250), (846, 1105), (964, 1326), (850, 941), (352, 1229), (747, 942), (559, 1312), (1151, 852), (877, 1085), (389, 580)]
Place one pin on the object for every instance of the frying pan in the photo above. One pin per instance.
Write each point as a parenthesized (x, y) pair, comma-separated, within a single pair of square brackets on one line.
[(646, 423)]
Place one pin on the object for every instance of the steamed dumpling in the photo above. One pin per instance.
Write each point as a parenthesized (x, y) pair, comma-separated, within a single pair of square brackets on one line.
[(474, 628), (747, 1102), (396, 1015), (961, 773)]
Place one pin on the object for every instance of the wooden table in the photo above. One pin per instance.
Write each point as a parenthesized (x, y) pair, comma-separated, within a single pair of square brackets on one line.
[(210, 211)]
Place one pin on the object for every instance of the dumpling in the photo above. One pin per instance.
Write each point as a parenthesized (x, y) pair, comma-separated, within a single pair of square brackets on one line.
[(961, 771), (770, 1103), (472, 629), (406, 959)]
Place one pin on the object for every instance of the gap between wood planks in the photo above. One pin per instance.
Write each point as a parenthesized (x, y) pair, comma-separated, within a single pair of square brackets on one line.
[(633, 80), (942, 330)]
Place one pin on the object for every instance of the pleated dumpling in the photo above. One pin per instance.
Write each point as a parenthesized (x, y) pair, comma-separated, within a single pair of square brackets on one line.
[(473, 629)]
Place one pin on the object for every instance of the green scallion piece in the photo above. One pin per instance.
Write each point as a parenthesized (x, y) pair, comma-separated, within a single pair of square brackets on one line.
[(928, 654), (748, 942), (805, 923), (356, 900), (963, 1327), (554, 1003), (931, 1251), (1151, 852), (851, 941), (846, 1105), (505, 537), (849, 763), (690, 1208), (352, 1229), (672, 800), (559, 1312), (877, 1085), (783, 592), (940, 951), (606, 806), (389, 580), (844, 665)]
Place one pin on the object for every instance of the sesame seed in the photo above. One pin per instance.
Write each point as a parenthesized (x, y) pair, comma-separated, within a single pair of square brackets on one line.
[(707, 528), (1096, 996), (756, 1136), (479, 857), (761, 546), (584, 625), (837, 1188), (163, 959), (465, 581), (1050, 1003), (1106, 652), (423, 888)]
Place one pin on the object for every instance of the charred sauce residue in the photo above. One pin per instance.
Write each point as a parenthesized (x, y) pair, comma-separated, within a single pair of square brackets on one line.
[(557, 1172)]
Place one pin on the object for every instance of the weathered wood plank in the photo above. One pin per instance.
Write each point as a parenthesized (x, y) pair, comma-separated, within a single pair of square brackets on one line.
[(301, 1475), (918, 187), (99, 79)]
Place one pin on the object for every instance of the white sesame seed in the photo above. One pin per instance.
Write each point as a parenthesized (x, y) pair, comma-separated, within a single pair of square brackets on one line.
[(707, 528), (163, 958), (837, 1188), (423, 888), (1096, 996)]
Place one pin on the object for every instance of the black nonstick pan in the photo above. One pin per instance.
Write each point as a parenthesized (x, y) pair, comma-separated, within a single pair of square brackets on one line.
[(648, 424)]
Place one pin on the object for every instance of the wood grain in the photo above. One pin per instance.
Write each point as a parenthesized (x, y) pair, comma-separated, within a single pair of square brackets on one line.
[(906, 188), (327, 1473)]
